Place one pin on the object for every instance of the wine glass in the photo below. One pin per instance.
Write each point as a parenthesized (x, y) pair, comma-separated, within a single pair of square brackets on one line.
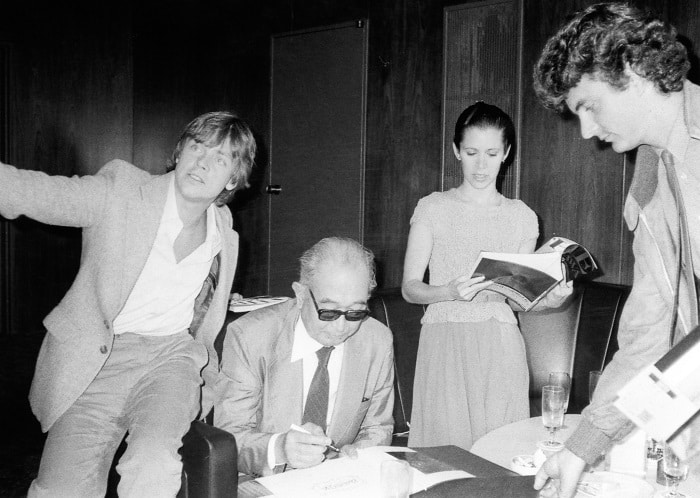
[(593, 378), (675, 471), (563, 380), (553, 407)]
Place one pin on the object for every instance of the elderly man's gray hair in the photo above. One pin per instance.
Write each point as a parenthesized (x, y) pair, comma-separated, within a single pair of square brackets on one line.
[(340, 250)]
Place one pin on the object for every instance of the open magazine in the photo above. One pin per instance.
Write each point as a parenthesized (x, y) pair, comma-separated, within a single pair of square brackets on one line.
[(527, 278)]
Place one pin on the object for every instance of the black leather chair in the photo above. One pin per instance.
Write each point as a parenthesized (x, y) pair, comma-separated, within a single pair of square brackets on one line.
[(390, 308), (209, 463), (578, 337)]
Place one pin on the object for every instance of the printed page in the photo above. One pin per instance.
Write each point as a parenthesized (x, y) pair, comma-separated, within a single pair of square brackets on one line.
[(253, 303), (348, 478)]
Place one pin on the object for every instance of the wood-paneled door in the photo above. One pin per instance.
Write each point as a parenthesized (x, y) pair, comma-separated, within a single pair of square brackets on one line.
[(317, 143)]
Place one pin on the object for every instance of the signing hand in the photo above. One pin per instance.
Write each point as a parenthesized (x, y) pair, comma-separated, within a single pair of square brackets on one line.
[(301, 449), (349, 450), (559, 475), (465, 288)]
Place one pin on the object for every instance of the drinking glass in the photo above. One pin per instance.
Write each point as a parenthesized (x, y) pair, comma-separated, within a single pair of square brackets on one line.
[(593, 378), (395, 479), (675, 471), (553, 407), (563, 380)]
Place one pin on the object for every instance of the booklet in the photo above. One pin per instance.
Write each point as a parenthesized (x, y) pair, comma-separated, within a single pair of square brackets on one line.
[(253, 303), (664, 396), (527, 278), (349, 478)]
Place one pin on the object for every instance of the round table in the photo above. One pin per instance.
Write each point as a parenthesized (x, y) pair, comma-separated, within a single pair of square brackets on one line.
[(520, 438)]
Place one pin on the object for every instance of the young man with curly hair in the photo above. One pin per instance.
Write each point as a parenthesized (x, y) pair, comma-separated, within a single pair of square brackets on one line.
[(622, 72)]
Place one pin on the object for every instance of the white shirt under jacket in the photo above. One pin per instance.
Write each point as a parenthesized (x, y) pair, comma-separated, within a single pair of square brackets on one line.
[(162, 300)]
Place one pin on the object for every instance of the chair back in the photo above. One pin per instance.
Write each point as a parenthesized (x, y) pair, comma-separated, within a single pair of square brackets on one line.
[(403, 319), (596, 341), (550, 339), (577, 337)]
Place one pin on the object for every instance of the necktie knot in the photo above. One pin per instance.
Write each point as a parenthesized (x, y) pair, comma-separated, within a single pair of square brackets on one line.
[(324, 355)]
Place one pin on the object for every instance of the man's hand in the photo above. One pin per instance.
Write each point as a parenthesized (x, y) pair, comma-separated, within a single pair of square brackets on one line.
[(301, 450), (349, 450), (559, 475)]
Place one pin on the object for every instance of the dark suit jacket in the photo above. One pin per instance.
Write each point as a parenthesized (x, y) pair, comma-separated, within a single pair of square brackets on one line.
[(259, 390), (119, 210)]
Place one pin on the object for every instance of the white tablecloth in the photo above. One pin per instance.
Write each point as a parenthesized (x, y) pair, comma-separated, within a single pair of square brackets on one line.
[(520, 438)]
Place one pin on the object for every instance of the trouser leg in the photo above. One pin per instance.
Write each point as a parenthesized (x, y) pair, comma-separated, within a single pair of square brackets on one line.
[(80, 446), (159, 411)]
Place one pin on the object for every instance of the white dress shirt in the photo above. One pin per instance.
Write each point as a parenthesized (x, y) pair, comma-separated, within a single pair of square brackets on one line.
[(304, 349), (162, 300)]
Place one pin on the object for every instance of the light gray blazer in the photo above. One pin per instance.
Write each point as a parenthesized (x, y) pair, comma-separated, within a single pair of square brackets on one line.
[(259, 390), (119, 210)]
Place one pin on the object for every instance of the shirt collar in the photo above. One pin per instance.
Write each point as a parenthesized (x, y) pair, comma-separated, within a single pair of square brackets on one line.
[(679, 137), (172, 225), (305, 346)]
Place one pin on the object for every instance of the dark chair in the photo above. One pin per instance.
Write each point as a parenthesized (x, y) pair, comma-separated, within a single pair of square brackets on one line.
[(209, 464), (389, 307), (578, 337)]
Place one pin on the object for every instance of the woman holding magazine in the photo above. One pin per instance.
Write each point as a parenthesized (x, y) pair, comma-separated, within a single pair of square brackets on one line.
[(471, 371)]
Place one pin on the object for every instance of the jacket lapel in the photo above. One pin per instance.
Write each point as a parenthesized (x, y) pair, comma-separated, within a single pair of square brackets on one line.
[(286, 390), (350, 390), (217, 288), (142, 221)]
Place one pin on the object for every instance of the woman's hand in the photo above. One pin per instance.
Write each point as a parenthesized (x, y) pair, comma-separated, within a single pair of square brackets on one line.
[(464, 288), (556, 296)]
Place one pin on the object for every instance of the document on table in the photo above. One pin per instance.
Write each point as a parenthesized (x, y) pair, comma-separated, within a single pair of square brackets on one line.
[(346, 477)]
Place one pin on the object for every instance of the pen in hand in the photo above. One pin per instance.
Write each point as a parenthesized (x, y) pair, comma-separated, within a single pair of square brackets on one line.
[(295, 427)]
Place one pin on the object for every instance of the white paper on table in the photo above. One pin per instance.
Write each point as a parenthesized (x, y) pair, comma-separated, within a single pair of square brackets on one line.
[(346, 477)]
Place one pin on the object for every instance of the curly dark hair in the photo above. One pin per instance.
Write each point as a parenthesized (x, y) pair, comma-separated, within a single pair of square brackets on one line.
[(214, 128), (602, 41)]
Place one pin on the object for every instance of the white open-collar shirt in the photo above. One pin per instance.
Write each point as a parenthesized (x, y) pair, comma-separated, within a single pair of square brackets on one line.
[(162, 300)]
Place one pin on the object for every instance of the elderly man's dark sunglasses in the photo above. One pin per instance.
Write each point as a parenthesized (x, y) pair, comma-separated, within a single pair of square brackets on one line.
[(330, 315)]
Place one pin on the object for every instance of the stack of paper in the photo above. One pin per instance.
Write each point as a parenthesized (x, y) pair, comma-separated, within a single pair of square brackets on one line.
[(346, 477)]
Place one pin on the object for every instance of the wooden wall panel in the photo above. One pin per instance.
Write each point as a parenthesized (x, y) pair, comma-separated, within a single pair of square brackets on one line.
[(481, 62), (5, 233), (71, 113), (575, 186), (578, 186), (95, 81), (403, 124)]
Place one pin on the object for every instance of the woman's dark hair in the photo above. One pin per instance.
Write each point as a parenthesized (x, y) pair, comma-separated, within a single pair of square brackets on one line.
[(482, 115), (602, 41)]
